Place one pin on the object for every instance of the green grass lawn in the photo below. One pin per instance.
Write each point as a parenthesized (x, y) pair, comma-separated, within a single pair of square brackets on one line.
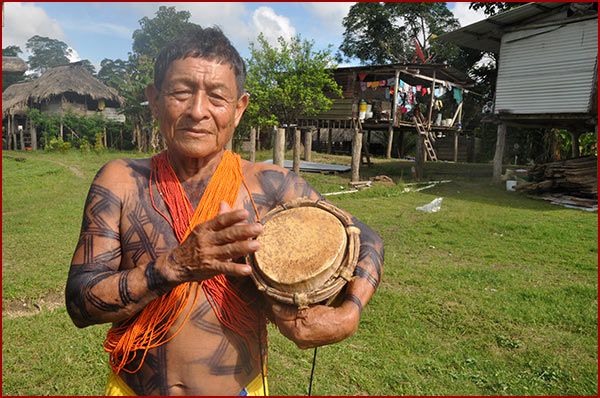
[(496, 294)]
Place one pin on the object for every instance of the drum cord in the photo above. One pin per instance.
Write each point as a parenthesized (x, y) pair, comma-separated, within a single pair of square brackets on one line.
[(262, 364), (312, 372)]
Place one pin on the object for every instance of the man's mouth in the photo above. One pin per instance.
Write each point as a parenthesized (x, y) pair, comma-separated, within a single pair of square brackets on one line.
[(199, 132)]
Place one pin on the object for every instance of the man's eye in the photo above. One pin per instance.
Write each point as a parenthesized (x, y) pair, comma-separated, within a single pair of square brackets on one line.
[(181, 94), (217, 99)]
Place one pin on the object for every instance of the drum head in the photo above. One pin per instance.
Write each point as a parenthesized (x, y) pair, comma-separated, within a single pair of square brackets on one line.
[(308, 252), (301, 248)]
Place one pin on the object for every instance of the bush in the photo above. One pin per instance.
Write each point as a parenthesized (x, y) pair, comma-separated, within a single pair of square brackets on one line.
[(84, 146), (98, 145), (57, 144)]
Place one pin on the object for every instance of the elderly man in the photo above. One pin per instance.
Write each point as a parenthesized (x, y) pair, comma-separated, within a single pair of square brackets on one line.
[(158, 235)]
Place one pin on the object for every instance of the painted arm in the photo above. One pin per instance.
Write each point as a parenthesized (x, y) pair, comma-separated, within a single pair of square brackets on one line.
[(98, 291)]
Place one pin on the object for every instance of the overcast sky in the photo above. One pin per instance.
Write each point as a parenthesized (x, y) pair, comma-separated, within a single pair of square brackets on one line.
[(96, 30)]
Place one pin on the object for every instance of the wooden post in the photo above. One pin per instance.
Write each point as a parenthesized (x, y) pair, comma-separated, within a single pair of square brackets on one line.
[(61, 130), (308, 144), (420, 157), (253, 144), (9, 123), (297, 141), (356, 148), (279, 147), (431, 102), (400, 144), (575, 144), (33, 134), (455, 146), (318, 138), (500, 141), (388, 152), (22, 137), (329, 136), (14, 133), (104, 136)]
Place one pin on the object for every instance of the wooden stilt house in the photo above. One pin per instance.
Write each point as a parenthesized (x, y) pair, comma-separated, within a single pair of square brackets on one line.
[(386, 101)]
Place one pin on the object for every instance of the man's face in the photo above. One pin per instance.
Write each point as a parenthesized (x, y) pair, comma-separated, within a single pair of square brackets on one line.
[(197, 106)]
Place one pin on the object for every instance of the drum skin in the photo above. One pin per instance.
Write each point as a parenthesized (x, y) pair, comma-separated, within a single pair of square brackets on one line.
[(309, 250)]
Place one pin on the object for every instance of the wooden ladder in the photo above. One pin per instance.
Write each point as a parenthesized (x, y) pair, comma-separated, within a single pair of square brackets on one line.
[(428, 137)]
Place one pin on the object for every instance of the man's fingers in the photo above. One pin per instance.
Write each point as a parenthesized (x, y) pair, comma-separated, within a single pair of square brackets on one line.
[(284, 313), (235, 249), (224, 207), (225, 220), (237, 232), (231, 268)]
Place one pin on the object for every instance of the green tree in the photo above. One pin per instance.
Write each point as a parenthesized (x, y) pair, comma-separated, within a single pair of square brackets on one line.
[(88, 65), (113, 73), (155, 33), (148, 40), (11, 51), (493, 8), (288, 81), (378, 33), (46, 53)]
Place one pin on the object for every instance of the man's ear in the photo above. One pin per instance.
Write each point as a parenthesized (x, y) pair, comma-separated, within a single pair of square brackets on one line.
[(242, 104), (152, 97)]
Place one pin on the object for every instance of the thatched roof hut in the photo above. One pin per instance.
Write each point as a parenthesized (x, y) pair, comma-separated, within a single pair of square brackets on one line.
[(13, 65), (72, 81)]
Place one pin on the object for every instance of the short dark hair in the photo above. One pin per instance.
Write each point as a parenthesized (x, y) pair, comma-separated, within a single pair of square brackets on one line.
[(207, 43)]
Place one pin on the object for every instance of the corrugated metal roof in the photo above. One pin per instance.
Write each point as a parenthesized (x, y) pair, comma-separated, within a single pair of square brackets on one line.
[(444, 72), (486, 35), (548, 70)]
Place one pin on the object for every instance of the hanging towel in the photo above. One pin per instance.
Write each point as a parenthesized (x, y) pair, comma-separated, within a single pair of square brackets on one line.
[(457, 94)]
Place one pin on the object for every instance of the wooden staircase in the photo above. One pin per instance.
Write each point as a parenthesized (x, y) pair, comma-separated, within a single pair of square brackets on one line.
[(428, 137)]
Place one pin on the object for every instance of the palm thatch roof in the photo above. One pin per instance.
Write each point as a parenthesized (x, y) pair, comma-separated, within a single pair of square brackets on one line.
[(13, 65), (72, 78)]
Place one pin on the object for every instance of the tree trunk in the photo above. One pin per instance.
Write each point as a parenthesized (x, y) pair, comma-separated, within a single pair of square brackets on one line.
[(499, 155), (33, 136)]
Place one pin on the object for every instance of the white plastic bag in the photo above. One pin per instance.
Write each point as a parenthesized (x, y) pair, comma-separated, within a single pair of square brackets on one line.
[(431, 207)]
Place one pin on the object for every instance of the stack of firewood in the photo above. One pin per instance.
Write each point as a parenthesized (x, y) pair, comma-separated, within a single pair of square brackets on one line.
[(576, 177)]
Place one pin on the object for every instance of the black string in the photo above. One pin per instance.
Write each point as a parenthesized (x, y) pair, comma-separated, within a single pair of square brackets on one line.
[(260, 349), (312, 373)]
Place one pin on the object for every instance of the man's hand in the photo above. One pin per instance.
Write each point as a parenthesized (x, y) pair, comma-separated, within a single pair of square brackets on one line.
[(211, 246), (317, 325)]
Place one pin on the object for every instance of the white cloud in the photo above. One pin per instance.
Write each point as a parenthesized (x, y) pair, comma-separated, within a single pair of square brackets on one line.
[(272, 25), (24, 20), (465, 15), (73, 55), (331, 13)]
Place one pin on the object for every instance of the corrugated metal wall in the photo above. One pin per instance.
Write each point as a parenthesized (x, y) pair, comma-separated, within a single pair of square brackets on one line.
[(548, 70)]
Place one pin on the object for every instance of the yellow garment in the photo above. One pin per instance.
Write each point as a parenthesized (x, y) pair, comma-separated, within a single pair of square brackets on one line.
[(115, 386)]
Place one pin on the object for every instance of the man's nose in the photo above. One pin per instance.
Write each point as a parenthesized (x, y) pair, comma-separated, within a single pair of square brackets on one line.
[(198, 106)]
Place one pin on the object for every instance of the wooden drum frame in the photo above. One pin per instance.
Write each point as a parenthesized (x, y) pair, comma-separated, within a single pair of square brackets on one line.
[(308, 253)]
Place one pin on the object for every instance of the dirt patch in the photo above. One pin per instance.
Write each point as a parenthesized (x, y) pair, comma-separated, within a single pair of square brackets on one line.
[(24, 307)]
